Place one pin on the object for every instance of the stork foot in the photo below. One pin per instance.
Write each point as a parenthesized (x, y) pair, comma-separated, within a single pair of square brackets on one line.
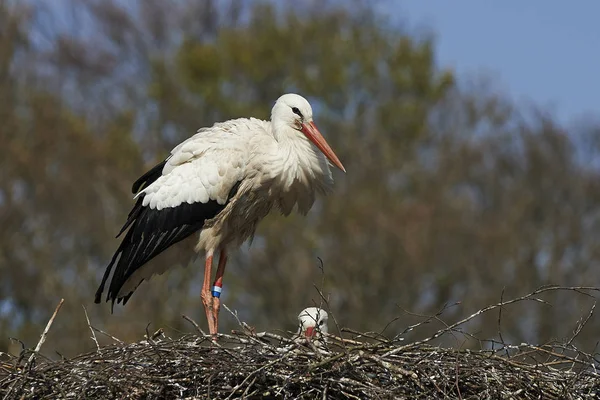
[(216, 305), (207, 302)]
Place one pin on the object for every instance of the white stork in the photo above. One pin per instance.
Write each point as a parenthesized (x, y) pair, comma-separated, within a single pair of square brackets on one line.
[(221, 182), (312, 322)]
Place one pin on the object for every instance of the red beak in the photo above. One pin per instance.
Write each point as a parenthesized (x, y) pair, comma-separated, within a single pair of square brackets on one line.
[(313, 134), (310, 332)]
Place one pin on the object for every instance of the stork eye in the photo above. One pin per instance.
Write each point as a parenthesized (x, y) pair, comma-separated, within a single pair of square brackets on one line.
[(297, 112), (321, 323)]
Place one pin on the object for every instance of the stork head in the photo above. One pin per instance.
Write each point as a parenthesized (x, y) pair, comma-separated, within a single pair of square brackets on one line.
[(294, 111), (312, 320)]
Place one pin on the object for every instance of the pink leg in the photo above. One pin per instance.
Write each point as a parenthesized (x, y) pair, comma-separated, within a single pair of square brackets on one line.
[(207, 299), (217, 286)]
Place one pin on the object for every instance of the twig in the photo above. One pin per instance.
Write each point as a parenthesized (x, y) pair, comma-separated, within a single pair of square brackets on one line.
[(388, 325), (326, 361), (253, 373), (456, 380), (341, 339), (194, 323), (205, 336), (530, 296), (271, 335), (44, 334), (500, 324), (158, 333), (428, 319), (322, 268), (369, 335), (108, 335), (91, 329), (240, 323), (25, 369), (580, 326), (330, 313)]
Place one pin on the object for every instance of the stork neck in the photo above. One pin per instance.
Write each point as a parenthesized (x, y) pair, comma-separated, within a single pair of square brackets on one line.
[(283, 133), (294, 148), (300, 170)]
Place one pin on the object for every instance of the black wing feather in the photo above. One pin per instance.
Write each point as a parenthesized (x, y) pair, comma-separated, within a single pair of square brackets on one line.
[(142, 182), (151, 232), (148, 177)]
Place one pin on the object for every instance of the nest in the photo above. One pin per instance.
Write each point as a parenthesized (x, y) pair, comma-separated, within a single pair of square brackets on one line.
[(245, 364)]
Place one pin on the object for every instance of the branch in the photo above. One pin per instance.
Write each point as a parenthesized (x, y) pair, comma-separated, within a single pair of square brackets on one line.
[(44, 335)]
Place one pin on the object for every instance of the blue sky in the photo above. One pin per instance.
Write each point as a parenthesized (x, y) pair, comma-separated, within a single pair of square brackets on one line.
[(545, 51)]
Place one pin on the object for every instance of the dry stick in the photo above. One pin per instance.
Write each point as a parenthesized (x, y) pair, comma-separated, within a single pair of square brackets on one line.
[(38, 347), (325, 300), (245, 394), (369, 335), (274, 336), (388, 325), (91, 329), (500, 325), (158, 333), (44, 334), (253, 373), (247, 331), (529, 296), (205, 336), (428, 319), (341, 339), (580, 326), (150, 338), (332, 314), (240, 323), (322, 268), (456, 381), (447, 328), (557, 355), (107, 335), (194, 323), (396, 368)]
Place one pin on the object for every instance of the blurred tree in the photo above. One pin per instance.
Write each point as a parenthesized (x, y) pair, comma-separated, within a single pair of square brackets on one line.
[(452, 194)]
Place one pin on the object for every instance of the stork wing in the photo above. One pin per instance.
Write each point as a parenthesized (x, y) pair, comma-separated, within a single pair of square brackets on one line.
[(191, 186)]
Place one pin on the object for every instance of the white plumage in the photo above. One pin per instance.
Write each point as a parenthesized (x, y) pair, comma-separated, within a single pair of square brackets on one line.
[(312, 327), (221, 182), (312, 322)]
